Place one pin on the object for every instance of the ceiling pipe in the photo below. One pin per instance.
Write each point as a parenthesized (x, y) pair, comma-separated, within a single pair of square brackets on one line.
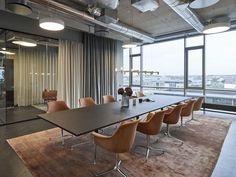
[(116, 27), (187, 14)]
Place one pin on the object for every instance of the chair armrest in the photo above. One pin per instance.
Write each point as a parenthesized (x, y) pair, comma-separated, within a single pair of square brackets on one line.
[(103, 141)]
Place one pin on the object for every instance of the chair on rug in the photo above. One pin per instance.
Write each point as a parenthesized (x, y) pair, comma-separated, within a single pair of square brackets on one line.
[(86, 102), (171, 117), (49, 95), (140, 94), (187, 110), (55, 106), (108, 99), (151, 126), (197, 105), (120, 142)]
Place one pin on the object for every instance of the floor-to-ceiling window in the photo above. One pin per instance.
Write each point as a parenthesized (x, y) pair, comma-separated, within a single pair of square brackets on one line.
[(191, 66), (164, 66), (220, 68)]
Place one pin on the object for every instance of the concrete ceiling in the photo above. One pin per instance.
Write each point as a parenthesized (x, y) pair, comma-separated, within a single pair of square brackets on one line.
[(159, 22), (165, 21)]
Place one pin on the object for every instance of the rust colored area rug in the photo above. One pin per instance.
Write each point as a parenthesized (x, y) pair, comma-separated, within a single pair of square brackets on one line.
[(44, 155)]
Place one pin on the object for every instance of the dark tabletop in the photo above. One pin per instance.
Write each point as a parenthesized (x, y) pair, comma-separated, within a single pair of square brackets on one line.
[(83, 120)]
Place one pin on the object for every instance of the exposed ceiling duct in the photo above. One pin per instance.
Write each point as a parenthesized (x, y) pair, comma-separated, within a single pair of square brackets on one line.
[(112, 4), (83, 15), (187, 14)]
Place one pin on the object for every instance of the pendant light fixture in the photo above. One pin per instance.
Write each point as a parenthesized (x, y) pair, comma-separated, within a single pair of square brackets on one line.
[(217, 25), (25, 42), (19, 7), (198, 4), (51, 24), (131, 42)]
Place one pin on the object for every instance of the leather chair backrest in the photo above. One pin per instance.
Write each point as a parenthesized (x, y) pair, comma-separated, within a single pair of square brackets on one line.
[(140, 94), (86, 102), (54, 106), (173, 116), (188, 108), (123, 138), (198, 104), (108, 99)]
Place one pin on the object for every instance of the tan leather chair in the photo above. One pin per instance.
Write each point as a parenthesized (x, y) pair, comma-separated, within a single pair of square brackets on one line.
[(151, 126), (55, 106), (187, 110), (49, 95), (172, 118), (140, 94), (86, 102), (108, 99), (121, 141), (198, 104)]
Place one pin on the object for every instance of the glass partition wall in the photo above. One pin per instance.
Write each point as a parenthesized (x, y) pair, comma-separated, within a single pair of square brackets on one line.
[(28, 66), (191, 66)]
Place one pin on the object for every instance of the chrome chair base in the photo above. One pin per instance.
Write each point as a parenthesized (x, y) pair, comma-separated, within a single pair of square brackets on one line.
[(115, 168), (167, 133), (150, 148)]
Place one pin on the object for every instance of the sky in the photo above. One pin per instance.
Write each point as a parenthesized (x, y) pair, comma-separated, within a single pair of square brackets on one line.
[(168, 57)]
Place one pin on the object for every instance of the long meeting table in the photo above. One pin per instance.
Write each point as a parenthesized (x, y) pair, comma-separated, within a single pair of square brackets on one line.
[(80, 121)]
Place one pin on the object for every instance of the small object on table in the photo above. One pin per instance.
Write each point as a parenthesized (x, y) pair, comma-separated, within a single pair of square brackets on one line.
[(140, 100), (134, 102)]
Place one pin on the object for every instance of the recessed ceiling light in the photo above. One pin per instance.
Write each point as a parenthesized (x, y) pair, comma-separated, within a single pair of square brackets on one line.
[(6, 52), (25, 42), (51, 24), (217, 25)]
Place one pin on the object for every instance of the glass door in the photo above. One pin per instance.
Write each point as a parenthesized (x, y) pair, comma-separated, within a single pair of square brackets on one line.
[(194, 71)]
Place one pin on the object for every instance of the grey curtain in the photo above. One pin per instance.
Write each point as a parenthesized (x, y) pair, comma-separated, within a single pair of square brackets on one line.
[(99, 61), (70, 72), (35, 69)]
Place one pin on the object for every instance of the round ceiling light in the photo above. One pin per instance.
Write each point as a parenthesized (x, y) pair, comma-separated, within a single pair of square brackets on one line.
[(51, 24), (19, 7), (6, 52), (25, 42), (217, 25), (198, 4), (129, 44)]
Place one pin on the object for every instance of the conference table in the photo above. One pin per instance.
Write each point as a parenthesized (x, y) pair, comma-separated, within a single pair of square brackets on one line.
[(80, 121)]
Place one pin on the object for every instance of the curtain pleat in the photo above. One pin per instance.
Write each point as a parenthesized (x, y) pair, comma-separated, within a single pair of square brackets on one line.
[(70, 72), (99, 61), (33, 73)]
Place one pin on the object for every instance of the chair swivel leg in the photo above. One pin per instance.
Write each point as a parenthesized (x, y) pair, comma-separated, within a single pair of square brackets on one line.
[(148, 147), (115, 168), (192, 119), (169, 135)]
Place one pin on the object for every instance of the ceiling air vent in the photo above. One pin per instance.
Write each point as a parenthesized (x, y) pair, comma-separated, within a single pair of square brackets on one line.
[(145, 5), (108, 16)]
